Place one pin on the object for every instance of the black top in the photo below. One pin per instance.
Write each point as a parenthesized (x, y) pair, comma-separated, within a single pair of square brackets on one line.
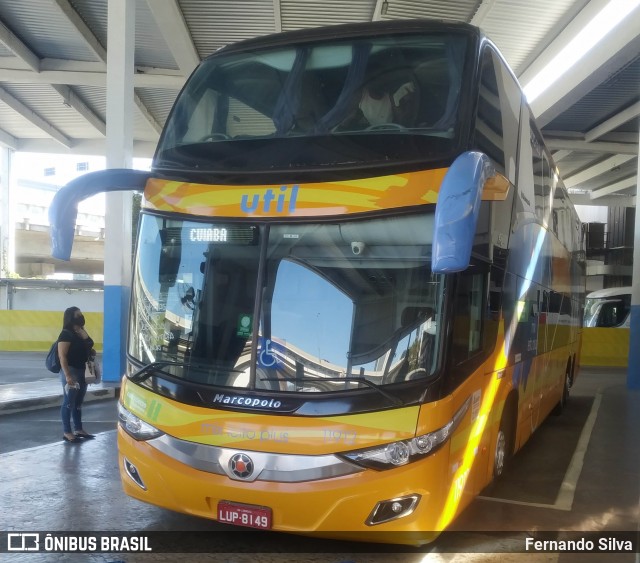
[(79, 349), (349, 31)]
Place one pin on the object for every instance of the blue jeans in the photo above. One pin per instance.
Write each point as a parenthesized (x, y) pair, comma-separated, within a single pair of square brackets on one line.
[(72, 401)]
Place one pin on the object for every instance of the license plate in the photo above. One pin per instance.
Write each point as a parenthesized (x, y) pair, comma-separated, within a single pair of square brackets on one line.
[(244, 515)]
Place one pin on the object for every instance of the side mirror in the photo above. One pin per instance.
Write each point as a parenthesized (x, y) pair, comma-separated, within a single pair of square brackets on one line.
[(64, 207), (457, 211)]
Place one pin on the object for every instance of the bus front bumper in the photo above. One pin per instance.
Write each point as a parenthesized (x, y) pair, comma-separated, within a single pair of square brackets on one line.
[(335, 507)]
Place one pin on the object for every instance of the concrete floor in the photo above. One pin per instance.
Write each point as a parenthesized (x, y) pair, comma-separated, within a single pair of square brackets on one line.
[(579, 472)]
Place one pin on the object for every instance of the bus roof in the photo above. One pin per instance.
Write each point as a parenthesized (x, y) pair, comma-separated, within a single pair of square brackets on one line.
[(346, 31), (609, 292)]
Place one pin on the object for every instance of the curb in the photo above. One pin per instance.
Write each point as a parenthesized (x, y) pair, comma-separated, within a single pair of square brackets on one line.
[(30, 404)]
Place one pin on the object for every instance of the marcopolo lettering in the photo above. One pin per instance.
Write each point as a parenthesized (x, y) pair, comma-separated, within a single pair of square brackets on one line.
[(239, 400)]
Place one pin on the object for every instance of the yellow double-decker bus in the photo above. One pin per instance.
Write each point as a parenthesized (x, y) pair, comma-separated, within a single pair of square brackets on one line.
[(358, 284)]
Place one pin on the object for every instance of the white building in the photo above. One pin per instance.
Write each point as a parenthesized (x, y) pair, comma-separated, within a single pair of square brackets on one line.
[(24, 224)]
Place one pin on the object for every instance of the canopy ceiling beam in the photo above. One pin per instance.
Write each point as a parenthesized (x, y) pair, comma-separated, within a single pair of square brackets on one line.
[(559, 143), (174, 30), (615, 187), (97, 79), (614, 51), (597, 170), (18, 48), (70, 99), (31, 116), (83, 29), (8, 140), (613, 122)]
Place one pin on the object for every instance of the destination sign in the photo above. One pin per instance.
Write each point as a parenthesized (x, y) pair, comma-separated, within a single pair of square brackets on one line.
[(210, 234), (216, 234)]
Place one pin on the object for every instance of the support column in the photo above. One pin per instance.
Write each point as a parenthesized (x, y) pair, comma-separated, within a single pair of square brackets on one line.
[(117, 247), (633, 369), (7, 216)]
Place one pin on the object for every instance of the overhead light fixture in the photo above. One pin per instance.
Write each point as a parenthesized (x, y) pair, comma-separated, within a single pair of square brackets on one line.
[(384, 8), (609, 17)]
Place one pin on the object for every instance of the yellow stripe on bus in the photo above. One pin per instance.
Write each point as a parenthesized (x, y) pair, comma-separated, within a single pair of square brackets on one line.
[(291, 200)]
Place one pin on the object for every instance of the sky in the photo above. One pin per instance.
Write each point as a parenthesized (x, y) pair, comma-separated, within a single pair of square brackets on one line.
[(32, 167)]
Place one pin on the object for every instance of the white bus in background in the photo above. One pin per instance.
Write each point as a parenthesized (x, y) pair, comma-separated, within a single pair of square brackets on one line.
[(608, 308)]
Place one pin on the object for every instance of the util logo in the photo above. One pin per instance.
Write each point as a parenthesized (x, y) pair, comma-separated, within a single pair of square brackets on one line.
[(285, 201)]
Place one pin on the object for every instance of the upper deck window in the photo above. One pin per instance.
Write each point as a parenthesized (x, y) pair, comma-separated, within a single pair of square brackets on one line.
[(406, 86)]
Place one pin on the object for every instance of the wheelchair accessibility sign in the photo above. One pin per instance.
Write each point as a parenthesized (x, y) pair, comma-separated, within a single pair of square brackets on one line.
[(267, 356)]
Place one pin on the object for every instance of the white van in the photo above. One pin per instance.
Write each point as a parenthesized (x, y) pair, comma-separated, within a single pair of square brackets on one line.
[(608, 308)]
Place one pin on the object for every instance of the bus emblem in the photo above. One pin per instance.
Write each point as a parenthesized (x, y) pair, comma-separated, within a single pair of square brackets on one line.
[(241, 466)]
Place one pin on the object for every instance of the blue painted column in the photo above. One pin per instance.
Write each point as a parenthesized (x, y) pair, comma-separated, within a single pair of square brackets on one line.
[(117, 247), (633, 370)]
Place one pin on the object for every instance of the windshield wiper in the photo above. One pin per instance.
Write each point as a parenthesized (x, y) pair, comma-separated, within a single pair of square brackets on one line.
[(364, 381), (146, 372)]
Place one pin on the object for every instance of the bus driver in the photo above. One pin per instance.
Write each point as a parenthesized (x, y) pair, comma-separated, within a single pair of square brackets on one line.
[(379, 107)]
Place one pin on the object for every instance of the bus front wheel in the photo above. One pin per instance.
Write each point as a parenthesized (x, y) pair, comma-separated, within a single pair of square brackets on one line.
[(504, 443)]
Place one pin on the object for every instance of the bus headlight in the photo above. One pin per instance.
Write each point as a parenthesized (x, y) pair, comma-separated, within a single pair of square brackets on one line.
[(135, 427), (406, 451)]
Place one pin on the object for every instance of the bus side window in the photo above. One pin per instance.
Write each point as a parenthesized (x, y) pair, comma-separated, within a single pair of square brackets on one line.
[(468, 317), (543, 179), (489, 134), (563, 213), (498, 118), (538, 171)]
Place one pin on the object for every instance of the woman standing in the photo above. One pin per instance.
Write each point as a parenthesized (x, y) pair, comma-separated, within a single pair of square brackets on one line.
[(75, 347)]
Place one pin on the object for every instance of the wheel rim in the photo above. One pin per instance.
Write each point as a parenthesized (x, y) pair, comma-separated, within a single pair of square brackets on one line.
[(501, 452)]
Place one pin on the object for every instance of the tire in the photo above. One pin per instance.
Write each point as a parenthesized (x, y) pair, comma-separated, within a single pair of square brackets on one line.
[(504, 443), (564, 398)]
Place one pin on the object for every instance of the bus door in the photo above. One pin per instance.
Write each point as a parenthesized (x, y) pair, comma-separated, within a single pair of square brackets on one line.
[(473, 338)]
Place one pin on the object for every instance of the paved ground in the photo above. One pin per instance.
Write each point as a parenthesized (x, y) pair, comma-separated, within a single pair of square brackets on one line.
[(578, 472), (24, 367), (39, 427), (26, 384)]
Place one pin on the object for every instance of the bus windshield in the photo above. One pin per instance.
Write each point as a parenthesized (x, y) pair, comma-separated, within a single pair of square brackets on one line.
[(319, 104), (288, 308)]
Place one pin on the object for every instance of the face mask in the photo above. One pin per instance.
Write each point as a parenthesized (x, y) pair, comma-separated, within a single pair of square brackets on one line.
[(376, 110), (80, 320)]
